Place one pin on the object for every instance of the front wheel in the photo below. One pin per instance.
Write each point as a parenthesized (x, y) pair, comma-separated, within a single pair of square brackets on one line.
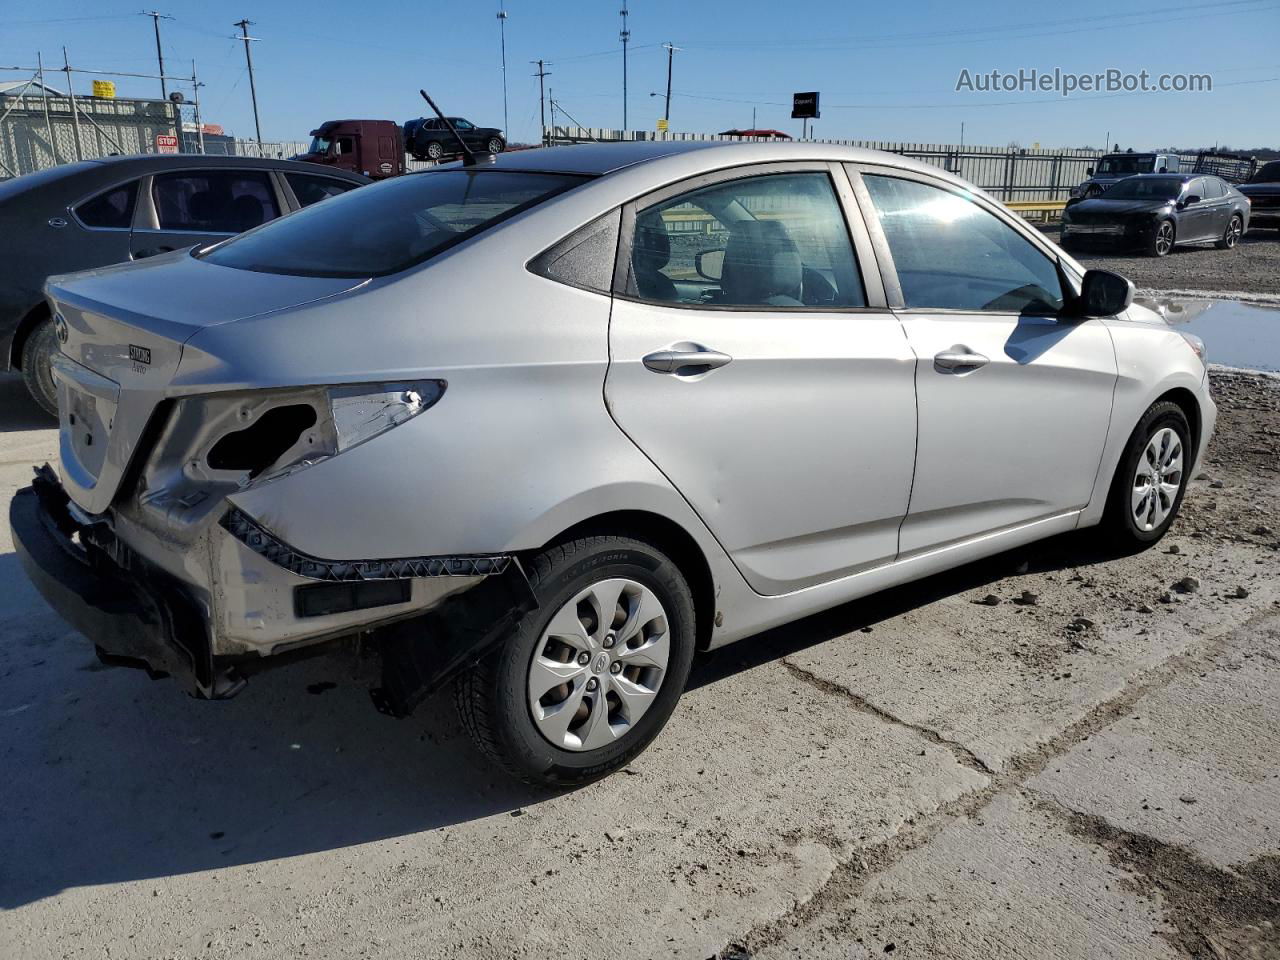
[(41, 345), (434, 151), (1162, 239), (496, 145), (1151, 478), (1231, 236), (585, 682)]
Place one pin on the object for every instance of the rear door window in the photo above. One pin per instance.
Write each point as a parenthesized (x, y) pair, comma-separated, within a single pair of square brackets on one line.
[(220, 201), (309, 189), (389, 226), (112, 209)]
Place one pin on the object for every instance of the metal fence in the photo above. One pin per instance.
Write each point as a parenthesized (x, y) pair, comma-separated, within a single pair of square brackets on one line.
[(39, 131), (1010, 174)]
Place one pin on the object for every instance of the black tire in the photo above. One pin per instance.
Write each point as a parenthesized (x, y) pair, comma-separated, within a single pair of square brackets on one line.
[(435, 150), (496, 145), (1231, 236), (1119, 524), (492, 697), (41, 344), (1163, 238)]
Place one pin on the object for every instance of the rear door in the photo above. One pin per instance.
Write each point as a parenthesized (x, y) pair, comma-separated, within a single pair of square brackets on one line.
[(189, 207), (1014, 400), (753, 359)]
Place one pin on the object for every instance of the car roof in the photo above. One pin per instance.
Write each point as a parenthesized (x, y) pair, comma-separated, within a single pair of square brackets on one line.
[(153, 162), (1180, 177), (600, 159)]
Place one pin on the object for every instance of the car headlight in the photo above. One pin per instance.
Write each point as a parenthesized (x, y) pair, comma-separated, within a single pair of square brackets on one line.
[(217, 444), (1196, 344), (1076, 190)]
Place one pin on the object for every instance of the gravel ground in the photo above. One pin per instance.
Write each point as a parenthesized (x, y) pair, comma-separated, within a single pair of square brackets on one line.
[(1248, 272), (1053, 753)]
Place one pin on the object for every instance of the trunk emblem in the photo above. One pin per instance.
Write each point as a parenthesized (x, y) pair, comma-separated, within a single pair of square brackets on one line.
[(60, 328), (139, 354)]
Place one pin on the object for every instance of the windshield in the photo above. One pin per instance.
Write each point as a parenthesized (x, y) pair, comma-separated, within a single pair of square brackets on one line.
[(1270, 173), (319, 145), (1135, 188), (389, 226), (1111, 166)]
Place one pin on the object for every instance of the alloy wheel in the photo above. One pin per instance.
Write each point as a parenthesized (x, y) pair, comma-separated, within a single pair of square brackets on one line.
[(495, 145), (598, 665), (1164, 238), (1157, 479), (1234, 230)]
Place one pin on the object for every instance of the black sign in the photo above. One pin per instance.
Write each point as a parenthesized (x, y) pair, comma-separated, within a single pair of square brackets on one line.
[(805, 105)]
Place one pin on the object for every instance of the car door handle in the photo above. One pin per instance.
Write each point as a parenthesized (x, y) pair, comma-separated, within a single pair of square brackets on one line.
[(684, 362), (959, 359)]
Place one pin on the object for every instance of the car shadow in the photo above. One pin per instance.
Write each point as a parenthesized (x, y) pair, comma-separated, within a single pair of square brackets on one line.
[(110, 777), (17, 410)]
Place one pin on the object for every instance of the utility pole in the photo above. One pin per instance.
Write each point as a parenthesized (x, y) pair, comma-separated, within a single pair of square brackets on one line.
[(542, 101), (195, 95), (502, 29), (156, 16), (671, 51), (625, 36), (253, 91), (552, 101)]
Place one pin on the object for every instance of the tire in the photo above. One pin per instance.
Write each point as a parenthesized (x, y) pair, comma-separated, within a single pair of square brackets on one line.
[(496, 145), (1121, 523), (42, 343), (1163, 238), (1231, 236), (434, 150), (495, 698)]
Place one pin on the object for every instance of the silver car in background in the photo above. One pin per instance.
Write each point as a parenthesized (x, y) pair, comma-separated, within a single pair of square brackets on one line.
[(545, 427)]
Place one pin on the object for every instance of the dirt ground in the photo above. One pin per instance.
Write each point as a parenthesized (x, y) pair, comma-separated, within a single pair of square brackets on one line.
[(1248, 272), (1053, 753)]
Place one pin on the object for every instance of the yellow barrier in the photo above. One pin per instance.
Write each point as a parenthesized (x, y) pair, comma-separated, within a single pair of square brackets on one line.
[(1046, 208)]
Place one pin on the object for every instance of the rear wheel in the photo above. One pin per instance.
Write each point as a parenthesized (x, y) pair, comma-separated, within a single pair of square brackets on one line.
[(1231, 236), (1162, 239), (583, 685), (41, 345), (1151, 478)]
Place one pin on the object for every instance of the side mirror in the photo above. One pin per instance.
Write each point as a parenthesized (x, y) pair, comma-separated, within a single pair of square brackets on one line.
[(709, 264), (1193, 198), (1104, 294), (1088, 171)]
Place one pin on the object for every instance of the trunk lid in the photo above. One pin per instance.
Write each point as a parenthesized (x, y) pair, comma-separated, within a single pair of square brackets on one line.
[(122, 330)]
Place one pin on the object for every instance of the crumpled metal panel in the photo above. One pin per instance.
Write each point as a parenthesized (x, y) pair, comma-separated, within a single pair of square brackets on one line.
[(249, 532)]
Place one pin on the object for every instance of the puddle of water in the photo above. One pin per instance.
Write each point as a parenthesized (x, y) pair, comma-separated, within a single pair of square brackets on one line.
[(1236, 334)]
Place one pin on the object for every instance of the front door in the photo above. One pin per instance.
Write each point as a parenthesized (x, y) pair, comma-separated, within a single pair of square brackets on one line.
[(201, 206), (1014, 401), (757, 367)]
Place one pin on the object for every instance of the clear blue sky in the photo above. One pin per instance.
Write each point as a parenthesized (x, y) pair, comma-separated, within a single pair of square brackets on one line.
[(886, 70)]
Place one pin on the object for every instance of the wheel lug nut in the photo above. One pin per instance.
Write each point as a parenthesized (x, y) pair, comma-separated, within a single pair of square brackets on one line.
[(583, 658), (609, 641), (615, 667), (592, 683)]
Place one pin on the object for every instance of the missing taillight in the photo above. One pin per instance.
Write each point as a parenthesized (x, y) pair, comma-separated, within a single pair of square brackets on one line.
[(263, 442)]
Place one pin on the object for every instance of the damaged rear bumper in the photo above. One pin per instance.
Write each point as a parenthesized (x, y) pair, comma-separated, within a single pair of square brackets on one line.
[(141, 618)]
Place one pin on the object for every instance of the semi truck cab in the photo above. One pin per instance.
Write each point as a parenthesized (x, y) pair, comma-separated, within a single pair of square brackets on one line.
[(374, 148)]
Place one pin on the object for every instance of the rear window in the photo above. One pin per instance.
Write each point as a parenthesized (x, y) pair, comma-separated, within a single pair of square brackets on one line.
[(390, 226)]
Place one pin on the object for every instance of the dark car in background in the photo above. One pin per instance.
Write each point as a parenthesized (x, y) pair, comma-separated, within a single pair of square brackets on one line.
[(427, 138), (1263, 191), (1155, 212), (98, 212)]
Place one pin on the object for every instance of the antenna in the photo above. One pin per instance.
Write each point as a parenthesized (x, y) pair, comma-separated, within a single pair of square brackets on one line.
[(468, 158)]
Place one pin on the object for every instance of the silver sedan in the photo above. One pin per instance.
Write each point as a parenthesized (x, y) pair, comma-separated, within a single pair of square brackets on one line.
[(543, 428)]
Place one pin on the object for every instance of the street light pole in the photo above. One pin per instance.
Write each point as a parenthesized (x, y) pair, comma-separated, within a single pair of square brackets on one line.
[(253, 90), (502, 29)]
